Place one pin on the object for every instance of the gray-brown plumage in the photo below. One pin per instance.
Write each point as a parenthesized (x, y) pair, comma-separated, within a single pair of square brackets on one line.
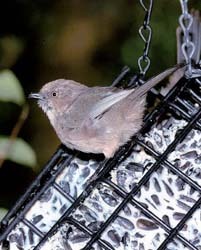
[(95, 119)]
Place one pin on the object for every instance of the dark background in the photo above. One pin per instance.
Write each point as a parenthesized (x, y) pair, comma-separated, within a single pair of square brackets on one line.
[(88, 41)]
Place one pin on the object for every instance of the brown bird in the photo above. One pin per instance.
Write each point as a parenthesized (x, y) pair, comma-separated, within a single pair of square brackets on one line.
[(95, 119)]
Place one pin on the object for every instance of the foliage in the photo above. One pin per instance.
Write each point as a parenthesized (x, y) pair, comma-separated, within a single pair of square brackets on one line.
[(19, 151), (12, 148), (3, 212), (10, 88)]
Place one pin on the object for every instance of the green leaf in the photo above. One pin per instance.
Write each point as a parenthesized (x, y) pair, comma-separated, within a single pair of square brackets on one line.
[(3, 212), (10, 88), (17, 151)]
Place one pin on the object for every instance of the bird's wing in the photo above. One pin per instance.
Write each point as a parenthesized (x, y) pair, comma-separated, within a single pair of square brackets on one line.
[(113, 97), (107, 102)]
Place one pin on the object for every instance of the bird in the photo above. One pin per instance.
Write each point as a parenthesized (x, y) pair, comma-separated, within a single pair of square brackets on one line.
[(95, 120)]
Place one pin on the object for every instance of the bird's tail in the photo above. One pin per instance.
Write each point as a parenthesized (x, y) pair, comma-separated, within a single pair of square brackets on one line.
[(142, 90)]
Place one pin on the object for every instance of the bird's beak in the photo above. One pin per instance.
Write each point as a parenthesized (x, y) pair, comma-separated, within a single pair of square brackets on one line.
[(36, 96)]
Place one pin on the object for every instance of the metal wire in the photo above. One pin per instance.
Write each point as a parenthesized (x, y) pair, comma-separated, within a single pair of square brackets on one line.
[(188, 47), (45, 179), (145, 33), (178, 101), (161, 159), (176, 97)]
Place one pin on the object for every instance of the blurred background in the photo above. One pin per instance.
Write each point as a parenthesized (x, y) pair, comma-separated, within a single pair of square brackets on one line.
[(87, 41)]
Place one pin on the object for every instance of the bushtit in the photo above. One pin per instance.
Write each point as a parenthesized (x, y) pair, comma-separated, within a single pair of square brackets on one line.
[(95, 119)]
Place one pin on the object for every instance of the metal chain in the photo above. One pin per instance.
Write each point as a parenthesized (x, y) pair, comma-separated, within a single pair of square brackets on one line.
[(188, 47), (145, 33)]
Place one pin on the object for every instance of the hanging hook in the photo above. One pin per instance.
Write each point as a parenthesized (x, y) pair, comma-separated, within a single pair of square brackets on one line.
[(145, 33), (188, 47), (143, 63)]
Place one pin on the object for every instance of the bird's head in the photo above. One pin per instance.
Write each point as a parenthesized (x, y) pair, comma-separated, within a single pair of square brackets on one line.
[(57, 96)]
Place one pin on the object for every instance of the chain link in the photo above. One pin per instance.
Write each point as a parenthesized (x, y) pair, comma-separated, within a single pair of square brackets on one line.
[(188, 47), (145, 33)]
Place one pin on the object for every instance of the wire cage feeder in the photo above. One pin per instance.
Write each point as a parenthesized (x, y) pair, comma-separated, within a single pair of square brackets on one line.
[(147, 197)]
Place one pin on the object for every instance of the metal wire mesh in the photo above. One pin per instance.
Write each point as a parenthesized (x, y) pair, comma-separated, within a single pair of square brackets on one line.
[(124, 196)]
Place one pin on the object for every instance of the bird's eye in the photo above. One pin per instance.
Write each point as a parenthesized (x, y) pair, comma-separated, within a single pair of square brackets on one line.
[(54, 94)]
